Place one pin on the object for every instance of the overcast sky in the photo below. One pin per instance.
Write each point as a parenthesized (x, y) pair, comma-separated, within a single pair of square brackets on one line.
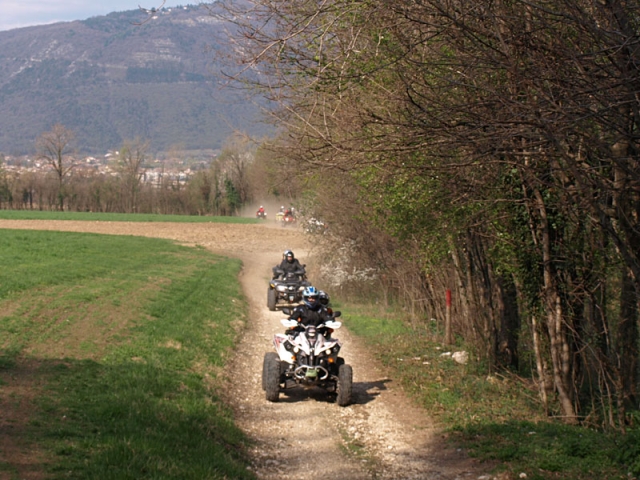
[(24, 13)]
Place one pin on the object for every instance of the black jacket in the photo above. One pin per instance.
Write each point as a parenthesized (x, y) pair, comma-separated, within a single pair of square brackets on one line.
[(306, 316), (286, 267)]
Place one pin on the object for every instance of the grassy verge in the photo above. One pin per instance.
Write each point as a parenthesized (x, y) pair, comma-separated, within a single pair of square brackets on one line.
[(495, 418), (117, 217), (110, 353)]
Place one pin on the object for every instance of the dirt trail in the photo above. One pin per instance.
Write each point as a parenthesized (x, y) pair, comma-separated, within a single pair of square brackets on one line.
[(305, 435)]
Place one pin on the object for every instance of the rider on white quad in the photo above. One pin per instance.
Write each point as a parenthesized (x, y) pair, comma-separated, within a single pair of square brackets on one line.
[(306, 354)]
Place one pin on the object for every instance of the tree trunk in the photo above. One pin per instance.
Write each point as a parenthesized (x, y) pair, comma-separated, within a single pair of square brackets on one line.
[(507, 353), (559, 347), (628, 339), (463, 292), (541, 365)]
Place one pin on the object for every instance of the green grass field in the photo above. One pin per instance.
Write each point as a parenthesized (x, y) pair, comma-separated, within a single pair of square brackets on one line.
[(116, 217), (495, 418), (111, 349)]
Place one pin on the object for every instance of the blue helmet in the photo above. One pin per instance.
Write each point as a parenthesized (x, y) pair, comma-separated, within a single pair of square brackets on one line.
[(310, 297)]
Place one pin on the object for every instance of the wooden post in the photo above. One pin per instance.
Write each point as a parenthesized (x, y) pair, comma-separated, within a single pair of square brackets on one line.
[(448, 337)]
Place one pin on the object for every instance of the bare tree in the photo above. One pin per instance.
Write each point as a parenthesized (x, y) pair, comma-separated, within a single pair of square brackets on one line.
[(55, 148), (5, 187), (235, 159), (512, 126), (130, 166)]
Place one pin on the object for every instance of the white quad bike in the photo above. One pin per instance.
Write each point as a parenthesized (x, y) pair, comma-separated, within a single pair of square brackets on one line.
[(308, 359)]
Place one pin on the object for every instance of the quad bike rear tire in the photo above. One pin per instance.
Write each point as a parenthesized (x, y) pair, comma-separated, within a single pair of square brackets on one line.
[(271, 377), (271, 299), (345, 385)]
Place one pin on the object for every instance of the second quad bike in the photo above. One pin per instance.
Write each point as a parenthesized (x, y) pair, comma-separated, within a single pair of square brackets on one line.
[(286, 291)]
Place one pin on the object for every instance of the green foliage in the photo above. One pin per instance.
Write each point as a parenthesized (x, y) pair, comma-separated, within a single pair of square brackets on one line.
[(549, 450), (626, 450), (495, 418), (232, 195), (137, 397), (415, 202)]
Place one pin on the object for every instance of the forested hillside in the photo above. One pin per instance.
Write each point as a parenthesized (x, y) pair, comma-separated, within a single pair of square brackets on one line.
[(112, 78)]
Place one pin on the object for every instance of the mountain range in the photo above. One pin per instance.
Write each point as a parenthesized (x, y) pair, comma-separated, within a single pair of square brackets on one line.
[(120, 76)]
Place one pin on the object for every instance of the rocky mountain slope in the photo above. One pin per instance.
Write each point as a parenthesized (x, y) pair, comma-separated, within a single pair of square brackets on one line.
[(112, 78)]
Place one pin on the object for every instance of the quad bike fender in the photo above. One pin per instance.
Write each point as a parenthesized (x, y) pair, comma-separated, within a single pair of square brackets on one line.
[(279, 341), (332, 344)]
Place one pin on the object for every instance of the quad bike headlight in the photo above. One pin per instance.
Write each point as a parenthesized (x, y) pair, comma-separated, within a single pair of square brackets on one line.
[(281, 288)]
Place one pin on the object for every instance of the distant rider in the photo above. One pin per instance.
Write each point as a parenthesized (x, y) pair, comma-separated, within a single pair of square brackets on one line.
[(289, 264), (323, 298)]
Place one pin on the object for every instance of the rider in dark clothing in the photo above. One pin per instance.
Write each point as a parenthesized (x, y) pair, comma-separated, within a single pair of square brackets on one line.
[(311, 312), (289, 264)]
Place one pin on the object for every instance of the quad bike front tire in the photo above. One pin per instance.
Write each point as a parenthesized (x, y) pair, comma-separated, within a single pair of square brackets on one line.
[(271, 377), (268, 358), (271, 299), (345, 385)]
